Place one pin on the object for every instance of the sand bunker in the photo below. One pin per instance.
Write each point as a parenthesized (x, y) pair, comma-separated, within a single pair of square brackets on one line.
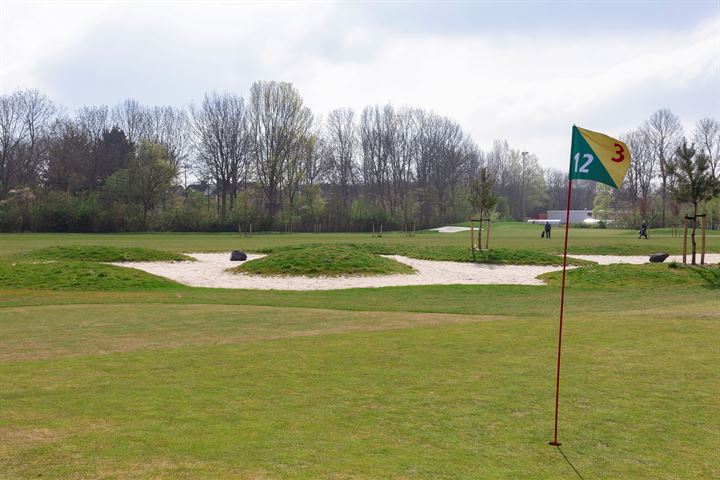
[(209, 271), (450, 229)]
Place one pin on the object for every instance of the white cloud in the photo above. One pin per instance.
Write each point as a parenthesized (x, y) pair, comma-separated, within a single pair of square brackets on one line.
[(525, 88), (31, 32), (526, 85)]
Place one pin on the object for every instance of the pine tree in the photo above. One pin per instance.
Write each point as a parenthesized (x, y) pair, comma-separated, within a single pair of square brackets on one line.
[(694, 181)]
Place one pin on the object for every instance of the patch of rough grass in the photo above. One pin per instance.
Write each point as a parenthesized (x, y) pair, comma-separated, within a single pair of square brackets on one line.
[(77, 275), (121, 328), (652, 276), (449, 253), (323, 260), (711, 275), (104, 253)]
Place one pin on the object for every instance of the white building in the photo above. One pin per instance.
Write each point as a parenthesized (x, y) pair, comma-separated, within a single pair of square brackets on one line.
[(576, 216)]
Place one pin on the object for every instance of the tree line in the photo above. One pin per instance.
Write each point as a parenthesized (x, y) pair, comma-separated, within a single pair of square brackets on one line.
[(651, 191), (229, 162)]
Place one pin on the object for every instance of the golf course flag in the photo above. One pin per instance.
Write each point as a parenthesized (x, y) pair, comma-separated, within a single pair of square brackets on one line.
[(596, 157)]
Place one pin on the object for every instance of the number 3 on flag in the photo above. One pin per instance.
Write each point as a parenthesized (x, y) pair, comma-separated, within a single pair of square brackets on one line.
[(620, 152)]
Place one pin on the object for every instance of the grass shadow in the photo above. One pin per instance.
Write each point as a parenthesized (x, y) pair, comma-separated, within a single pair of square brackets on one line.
[(577, 472)]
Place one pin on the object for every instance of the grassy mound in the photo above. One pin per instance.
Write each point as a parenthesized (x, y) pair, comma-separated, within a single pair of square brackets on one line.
[(98, 253), (450, 253), (325, 260), (637, 276), (77, 275)]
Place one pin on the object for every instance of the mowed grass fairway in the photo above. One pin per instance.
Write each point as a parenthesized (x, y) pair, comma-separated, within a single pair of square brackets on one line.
[(503, 235), (405, 382)]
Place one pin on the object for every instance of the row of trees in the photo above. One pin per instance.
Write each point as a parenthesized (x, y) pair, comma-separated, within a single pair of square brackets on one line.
[(657, 147), (268, 161)]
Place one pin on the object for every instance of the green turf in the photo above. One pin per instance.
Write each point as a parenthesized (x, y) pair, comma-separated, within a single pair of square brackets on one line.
[(145, 378), (220, 391), (448, 253), (77, 275), (637, 277), (509, 236), (104, 253), (79, 267), (323, 260)]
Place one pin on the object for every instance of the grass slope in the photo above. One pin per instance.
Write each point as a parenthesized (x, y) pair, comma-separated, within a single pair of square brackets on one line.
[(637, 277), (442, 253), (76, 275), (325, 260), (104, 253), (78, 267)]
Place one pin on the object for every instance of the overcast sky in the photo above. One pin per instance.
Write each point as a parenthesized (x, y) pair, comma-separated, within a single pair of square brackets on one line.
[(522, 71)]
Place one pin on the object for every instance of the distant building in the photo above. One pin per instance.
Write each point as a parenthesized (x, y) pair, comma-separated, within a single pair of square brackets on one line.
[(543, 221), (576, 216)]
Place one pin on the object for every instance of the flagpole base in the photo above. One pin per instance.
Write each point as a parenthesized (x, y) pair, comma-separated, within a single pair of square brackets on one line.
[(555, 444)]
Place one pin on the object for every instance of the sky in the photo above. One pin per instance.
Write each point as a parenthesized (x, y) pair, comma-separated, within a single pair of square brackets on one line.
[(524, 71)]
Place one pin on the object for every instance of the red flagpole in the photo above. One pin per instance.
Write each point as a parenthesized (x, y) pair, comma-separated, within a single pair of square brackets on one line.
[(562, 308)]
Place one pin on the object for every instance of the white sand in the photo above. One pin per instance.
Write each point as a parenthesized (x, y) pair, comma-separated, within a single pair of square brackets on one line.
[(450, 229), (209, 271)]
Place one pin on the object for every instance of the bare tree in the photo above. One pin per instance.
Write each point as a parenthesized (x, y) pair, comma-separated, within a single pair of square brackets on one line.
[(374, 136), (278, 124), (642, 170), (339, 152), (313, 165), (25, 122), (132, 118), (519, 178), (222, 144), (498, 164), (456, 152), (663, 133), (38, 113), (13, 131), (556, 181), (707, 138), (446, 158), (170, 127), (93, 121), (403, 158), (528, 184), (301, 168), (427, 152)]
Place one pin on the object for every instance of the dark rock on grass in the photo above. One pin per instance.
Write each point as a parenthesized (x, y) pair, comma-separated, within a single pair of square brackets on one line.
[(238, 256), (658, 257)]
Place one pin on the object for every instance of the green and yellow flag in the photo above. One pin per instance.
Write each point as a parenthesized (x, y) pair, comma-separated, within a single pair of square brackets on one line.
[(597, 157)]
